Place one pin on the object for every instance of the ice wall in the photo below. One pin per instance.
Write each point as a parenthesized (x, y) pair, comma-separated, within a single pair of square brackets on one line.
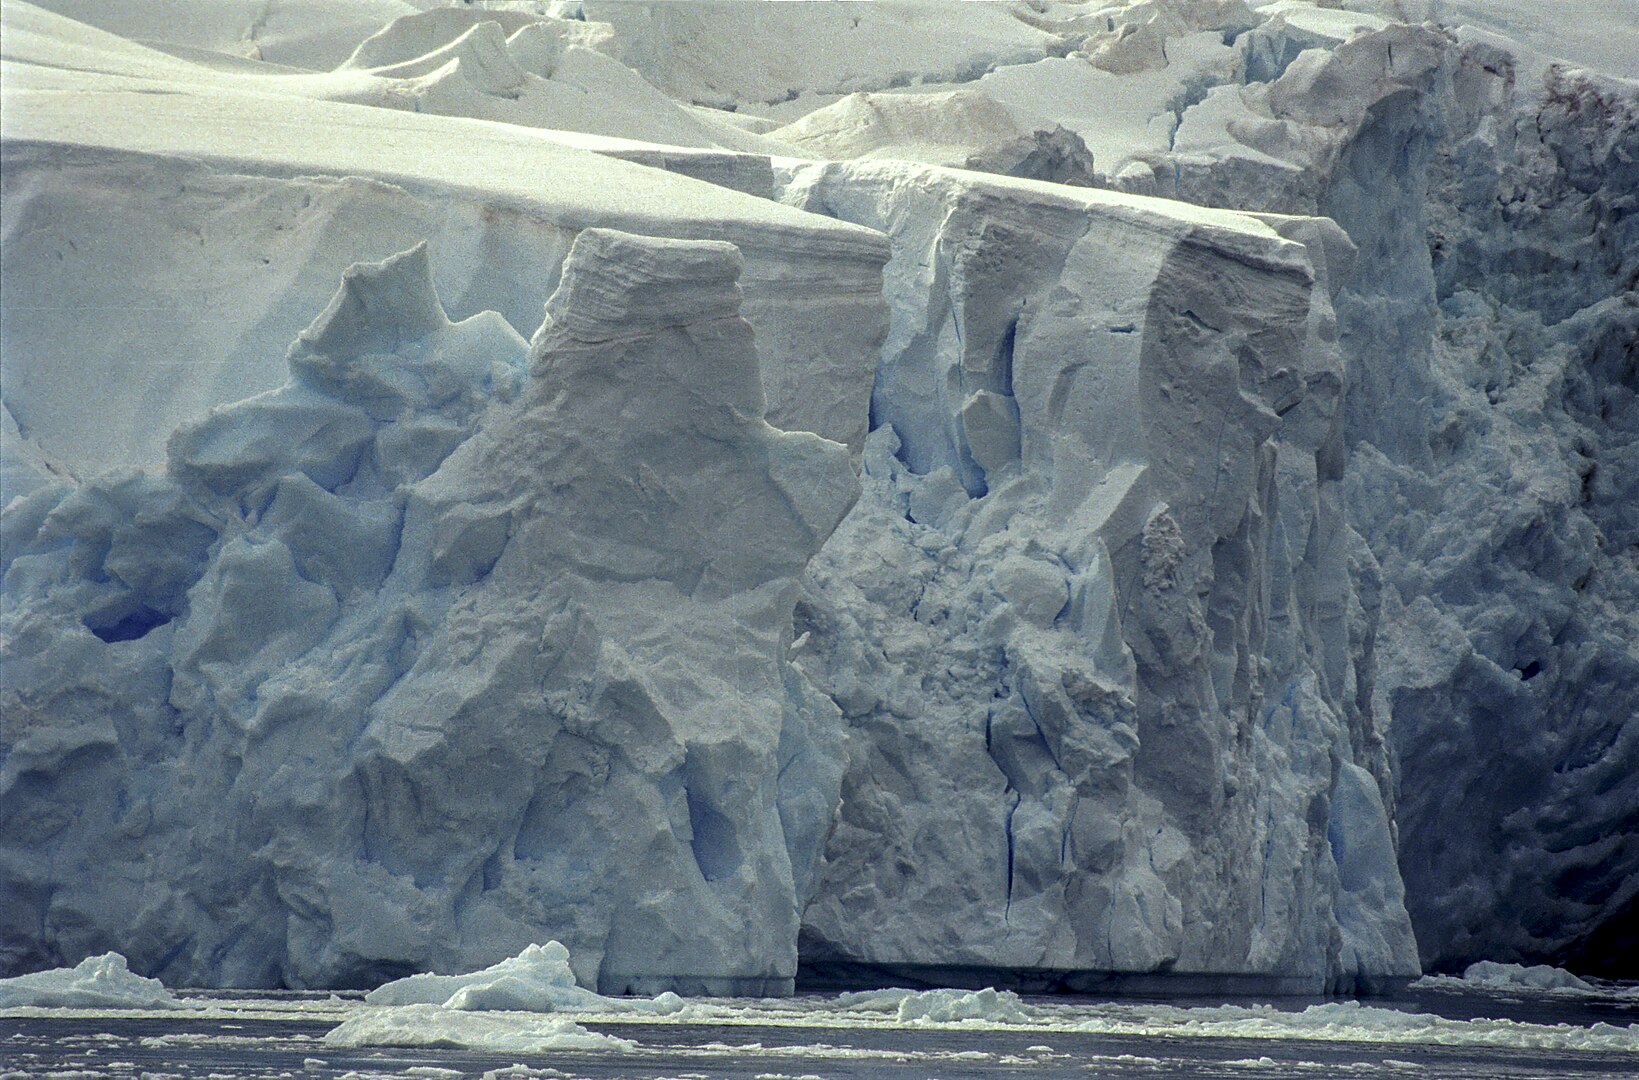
[(449, 639), (1488, 331), (1511, 638), (1091, 625), (1204, 561)]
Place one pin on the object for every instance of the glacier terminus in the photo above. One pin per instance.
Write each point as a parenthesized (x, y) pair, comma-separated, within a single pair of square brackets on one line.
[(1105, 495)]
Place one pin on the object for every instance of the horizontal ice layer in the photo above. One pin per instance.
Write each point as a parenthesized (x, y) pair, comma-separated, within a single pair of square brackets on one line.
[(449, 645), (244, 207), (1090, 624)]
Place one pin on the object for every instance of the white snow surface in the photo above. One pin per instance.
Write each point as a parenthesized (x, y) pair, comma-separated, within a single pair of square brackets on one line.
[(97, 982), (882, 550), (289, 193)]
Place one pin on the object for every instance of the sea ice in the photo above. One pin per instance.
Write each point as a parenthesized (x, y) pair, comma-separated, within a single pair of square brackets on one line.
[(97, 982), (539, 979), (432, 1026)]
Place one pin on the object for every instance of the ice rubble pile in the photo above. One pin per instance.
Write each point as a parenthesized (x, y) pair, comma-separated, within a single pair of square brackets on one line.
[(539, 979), (1209, 570), (97, 982)]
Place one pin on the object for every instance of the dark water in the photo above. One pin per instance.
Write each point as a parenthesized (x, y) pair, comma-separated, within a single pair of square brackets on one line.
[(185, 1046)]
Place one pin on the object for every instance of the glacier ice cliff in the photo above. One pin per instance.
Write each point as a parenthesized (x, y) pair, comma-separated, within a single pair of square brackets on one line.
[(450, 638), (1490, 335), (1090, 625), (885, 557)]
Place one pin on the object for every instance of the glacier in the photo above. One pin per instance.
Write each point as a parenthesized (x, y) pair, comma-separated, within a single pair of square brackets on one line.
[(1101, 496)]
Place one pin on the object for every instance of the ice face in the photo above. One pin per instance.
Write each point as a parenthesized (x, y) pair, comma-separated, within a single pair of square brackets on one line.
[(445, 585), (1198, 591), (1102, 559)]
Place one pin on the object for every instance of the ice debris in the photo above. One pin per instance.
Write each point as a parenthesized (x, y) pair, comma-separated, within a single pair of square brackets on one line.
[(539, 979), (1536, 976), (97, 982), (941, 1006), (433, 1026)]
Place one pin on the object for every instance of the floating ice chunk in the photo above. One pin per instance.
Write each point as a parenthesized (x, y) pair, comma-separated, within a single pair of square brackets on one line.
[(1538, 977), (942, 1006), (545, 967), (430, 1025), (539, 979), (97, 982)]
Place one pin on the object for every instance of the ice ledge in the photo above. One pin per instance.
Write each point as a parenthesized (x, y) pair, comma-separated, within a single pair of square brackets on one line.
[(617, 283)]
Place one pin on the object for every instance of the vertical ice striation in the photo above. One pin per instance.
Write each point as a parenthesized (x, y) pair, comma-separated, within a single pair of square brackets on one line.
[(1488, 330), (448, 645), (1090, 624)]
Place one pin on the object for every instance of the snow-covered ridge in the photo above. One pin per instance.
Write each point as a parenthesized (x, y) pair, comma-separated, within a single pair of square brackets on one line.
[(870, 559)]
